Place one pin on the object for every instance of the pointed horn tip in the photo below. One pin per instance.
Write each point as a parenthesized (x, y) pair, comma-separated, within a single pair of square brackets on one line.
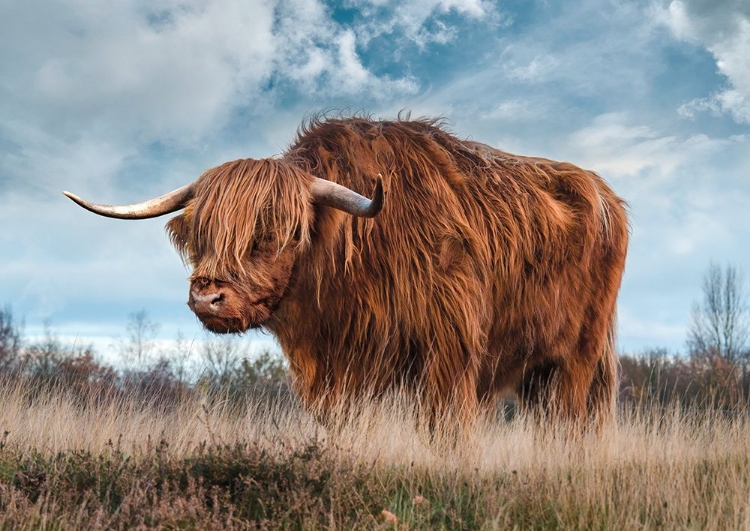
[(81, 202), (73, 197)]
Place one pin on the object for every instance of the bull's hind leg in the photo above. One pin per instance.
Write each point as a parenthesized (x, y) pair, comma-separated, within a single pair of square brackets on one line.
[(579, 383), (603, 390), (558, 391), (580, 389)]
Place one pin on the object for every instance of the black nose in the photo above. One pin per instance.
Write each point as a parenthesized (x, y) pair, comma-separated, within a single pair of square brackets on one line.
[(206, 302)]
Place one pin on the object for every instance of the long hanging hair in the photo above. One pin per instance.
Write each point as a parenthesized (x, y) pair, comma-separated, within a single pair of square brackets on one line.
[(238, 206)]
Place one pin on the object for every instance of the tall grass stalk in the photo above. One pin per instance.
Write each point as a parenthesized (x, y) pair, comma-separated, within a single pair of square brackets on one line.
[(210, 462)]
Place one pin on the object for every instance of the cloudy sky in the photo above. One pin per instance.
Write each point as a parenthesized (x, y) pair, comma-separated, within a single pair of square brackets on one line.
[(120, 101)]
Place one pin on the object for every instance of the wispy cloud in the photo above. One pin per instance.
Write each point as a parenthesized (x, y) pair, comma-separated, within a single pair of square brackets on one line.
[(175, 71), (614, 146), (419, 20), (723, 28), (517, 110)]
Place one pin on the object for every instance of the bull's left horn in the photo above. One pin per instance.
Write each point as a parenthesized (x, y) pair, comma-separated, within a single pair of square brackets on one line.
[(342, 198), (158, 206)]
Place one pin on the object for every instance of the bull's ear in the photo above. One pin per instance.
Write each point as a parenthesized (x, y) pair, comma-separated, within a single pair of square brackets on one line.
[(342, 198), (178, 230)]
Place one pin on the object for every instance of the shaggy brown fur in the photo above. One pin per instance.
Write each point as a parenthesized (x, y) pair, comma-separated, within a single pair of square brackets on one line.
[(485, 271)]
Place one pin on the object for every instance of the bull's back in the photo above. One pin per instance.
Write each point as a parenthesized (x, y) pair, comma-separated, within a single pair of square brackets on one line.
[(559, 245), (479, 257)]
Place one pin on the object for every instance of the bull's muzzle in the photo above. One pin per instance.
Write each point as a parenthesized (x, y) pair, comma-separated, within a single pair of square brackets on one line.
[(206, 303)]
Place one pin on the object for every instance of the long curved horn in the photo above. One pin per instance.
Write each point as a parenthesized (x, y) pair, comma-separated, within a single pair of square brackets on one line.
[(158, 206), (342, 198)]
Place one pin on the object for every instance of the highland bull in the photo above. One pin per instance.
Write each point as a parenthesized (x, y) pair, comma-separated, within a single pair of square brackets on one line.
[(470, 272)]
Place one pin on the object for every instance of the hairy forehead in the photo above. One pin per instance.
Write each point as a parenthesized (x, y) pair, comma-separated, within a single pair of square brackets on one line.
[(239, 205)]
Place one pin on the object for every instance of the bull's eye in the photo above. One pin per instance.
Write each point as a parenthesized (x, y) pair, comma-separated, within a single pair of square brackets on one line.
[(227, 277)]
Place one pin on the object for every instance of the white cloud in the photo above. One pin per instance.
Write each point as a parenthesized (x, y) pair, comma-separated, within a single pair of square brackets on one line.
[(723, 28), (725, 101), (538, 69), (115, 66), (322, 56), (516, 110), (614, 147), (413, 18), (683, 202), (171, 70), (353, 76)]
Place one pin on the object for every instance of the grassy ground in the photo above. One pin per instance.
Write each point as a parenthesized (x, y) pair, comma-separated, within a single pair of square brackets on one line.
[(67, 462)]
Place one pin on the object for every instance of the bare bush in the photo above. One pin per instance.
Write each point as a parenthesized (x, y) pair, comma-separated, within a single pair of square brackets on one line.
[(720, 322), (139, 346), (229, 364), (10, 340)]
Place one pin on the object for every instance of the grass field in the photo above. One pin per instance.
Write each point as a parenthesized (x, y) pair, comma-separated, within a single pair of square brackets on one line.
[(71, 462)]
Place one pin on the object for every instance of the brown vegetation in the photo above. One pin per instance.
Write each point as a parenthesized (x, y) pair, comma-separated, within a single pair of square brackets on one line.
[(125, 463)]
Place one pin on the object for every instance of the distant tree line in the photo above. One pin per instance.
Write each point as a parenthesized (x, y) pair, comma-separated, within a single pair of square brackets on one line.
[(715, 369), (714, 372), (223, 368)]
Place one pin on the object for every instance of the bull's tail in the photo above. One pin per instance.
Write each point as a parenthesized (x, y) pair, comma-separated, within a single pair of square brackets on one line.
[(603, 392)]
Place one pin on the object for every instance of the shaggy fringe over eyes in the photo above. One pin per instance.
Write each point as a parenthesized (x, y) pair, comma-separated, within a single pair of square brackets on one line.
[(239, 206)]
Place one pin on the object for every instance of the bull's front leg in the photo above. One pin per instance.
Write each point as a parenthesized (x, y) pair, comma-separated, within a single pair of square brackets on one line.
[(449, 389)]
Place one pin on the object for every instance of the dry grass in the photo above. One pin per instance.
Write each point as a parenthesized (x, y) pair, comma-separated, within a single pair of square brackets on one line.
[(66, 462)]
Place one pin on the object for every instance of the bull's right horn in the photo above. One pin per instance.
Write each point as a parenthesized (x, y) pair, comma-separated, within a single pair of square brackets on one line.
[(342, 198), (158, 206)]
